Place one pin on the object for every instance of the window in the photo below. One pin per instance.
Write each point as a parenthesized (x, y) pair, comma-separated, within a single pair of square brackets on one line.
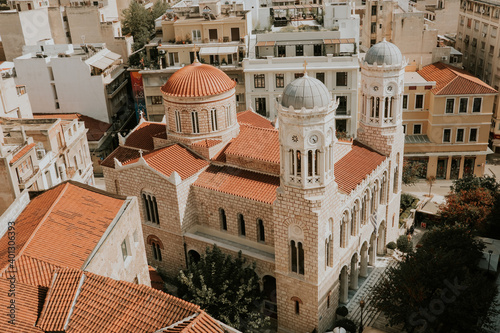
[(404, 128), (476, 25), (342, 108), (260, 106), (419, 101), (260, 231), (281, 50), (494, 32), (321, 77), (405, 102), (463, 105), (447, 135), (196, 35), (213, 119), (473, 135), (450, 103), (477, 104), (318, 51), (469, 23), (299, 50), (342, 79), (212, 34), (156, 100), (460, 135), (178, 126), (124, 249), (150, 208), (222, 218), (241, 225), (195, 126), (228, 115), (156, 249), (328, 252), (297, 257), (259, 81), (280, 80), (298, 75), (417, 129), (374, 10), (297, 307), (373, 27), (173, 58), (492, 49)]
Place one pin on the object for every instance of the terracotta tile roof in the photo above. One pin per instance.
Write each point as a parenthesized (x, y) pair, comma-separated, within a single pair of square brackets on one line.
[(454, 81), (122, 154), (107, 305), (142, 136), (197, 80), (96, 128), (199, 323), (355, 166), (254, 119), (241, 183), (156, 280), (21, 153), (256, 143), (206, 143), (29, 300), (31, 271), (174, 158), (63, 225)]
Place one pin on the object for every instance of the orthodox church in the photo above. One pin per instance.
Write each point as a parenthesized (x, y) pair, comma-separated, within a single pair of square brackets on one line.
[(311, 210)]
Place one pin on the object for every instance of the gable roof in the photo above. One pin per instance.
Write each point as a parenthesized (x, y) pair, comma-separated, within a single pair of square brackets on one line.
[(62, 226), (142, 136), (84, 302), (174, 158), (122, 154), (256, 143), (242, 183), (355, 166), (254, 119), (453, 81)]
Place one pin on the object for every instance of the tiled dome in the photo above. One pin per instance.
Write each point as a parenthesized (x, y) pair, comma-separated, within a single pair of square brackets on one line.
[(197, 80), (306, 92), (384, 53)]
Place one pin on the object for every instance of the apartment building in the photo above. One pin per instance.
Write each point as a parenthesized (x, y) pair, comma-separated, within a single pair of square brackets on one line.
[(37, 154), (14, 101), (220, 34), (477, 39), (442, 13), (329, 54), (89, 79), (66, 22), (446, 117), (402, 24)]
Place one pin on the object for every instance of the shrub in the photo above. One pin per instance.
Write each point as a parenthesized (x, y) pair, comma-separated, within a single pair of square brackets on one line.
[(347, 324), (407, 201), (342, 311), (391, 246), (404, 245)]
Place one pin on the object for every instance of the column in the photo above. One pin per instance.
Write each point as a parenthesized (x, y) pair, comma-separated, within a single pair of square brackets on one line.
[(461, 172), (344, 287), (363, 272), (448, 168), (353, 282)]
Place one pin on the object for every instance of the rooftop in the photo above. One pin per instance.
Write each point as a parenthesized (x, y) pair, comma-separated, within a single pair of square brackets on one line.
[(96, 128), (253, 119), (453, 81)]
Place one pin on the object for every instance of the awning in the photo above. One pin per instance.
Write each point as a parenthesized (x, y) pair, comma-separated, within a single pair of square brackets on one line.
[(218, 50), (339, 41), (266, 43), (103, 59), (296, 7)]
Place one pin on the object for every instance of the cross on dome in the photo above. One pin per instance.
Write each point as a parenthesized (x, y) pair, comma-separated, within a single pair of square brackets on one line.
[(305, 67), (195, 56)]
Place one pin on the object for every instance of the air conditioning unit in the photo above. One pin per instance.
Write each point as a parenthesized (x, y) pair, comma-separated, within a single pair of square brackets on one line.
[(40, 153), (444, 58), (483, 34)]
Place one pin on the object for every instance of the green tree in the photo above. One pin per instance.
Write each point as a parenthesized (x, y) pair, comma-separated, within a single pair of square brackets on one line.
[(411, 172), (470, 182), (439, 287), (159, 8), (226, 287), (137, 22)]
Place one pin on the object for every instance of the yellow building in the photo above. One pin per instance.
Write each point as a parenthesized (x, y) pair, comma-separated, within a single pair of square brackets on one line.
[(447, 116)]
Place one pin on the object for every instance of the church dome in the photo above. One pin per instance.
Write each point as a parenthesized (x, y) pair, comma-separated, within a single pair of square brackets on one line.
[(306, 92), (197, 80), (384, 53)]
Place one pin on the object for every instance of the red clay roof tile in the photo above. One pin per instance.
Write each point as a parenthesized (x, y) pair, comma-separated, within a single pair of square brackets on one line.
[(197, 80), (21, 153), (241, 183), (174, 158), (206, 143), (31, 271), (122, 154), (355, 166), (254, 119), (142, 136), (256, 143), (453, 81)]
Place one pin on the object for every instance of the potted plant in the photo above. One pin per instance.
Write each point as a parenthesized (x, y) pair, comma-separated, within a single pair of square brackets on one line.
[(391, 246), (341, 312)]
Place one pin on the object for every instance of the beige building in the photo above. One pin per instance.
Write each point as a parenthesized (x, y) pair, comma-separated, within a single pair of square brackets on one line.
[(477, 39), (442, 13), (14, 101), (312, 211), (37, 154), (402, 24), (447, 116)]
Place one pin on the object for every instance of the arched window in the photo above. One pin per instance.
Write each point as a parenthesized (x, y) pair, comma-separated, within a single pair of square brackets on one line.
[(194, 122), (156, 250), (374, 198), (298, 163), (117, 185), (396, 174), (390, 107), (178, 124), (228, 115), (241, 225), (297, 302), (354, 217), (372, 104), (150, 208), (260, 231), (363, 210), (213, 119), (328, 251), (222, 218), (381, 192), (386, 107), (377, 107), (343, 231), (297, 257)]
